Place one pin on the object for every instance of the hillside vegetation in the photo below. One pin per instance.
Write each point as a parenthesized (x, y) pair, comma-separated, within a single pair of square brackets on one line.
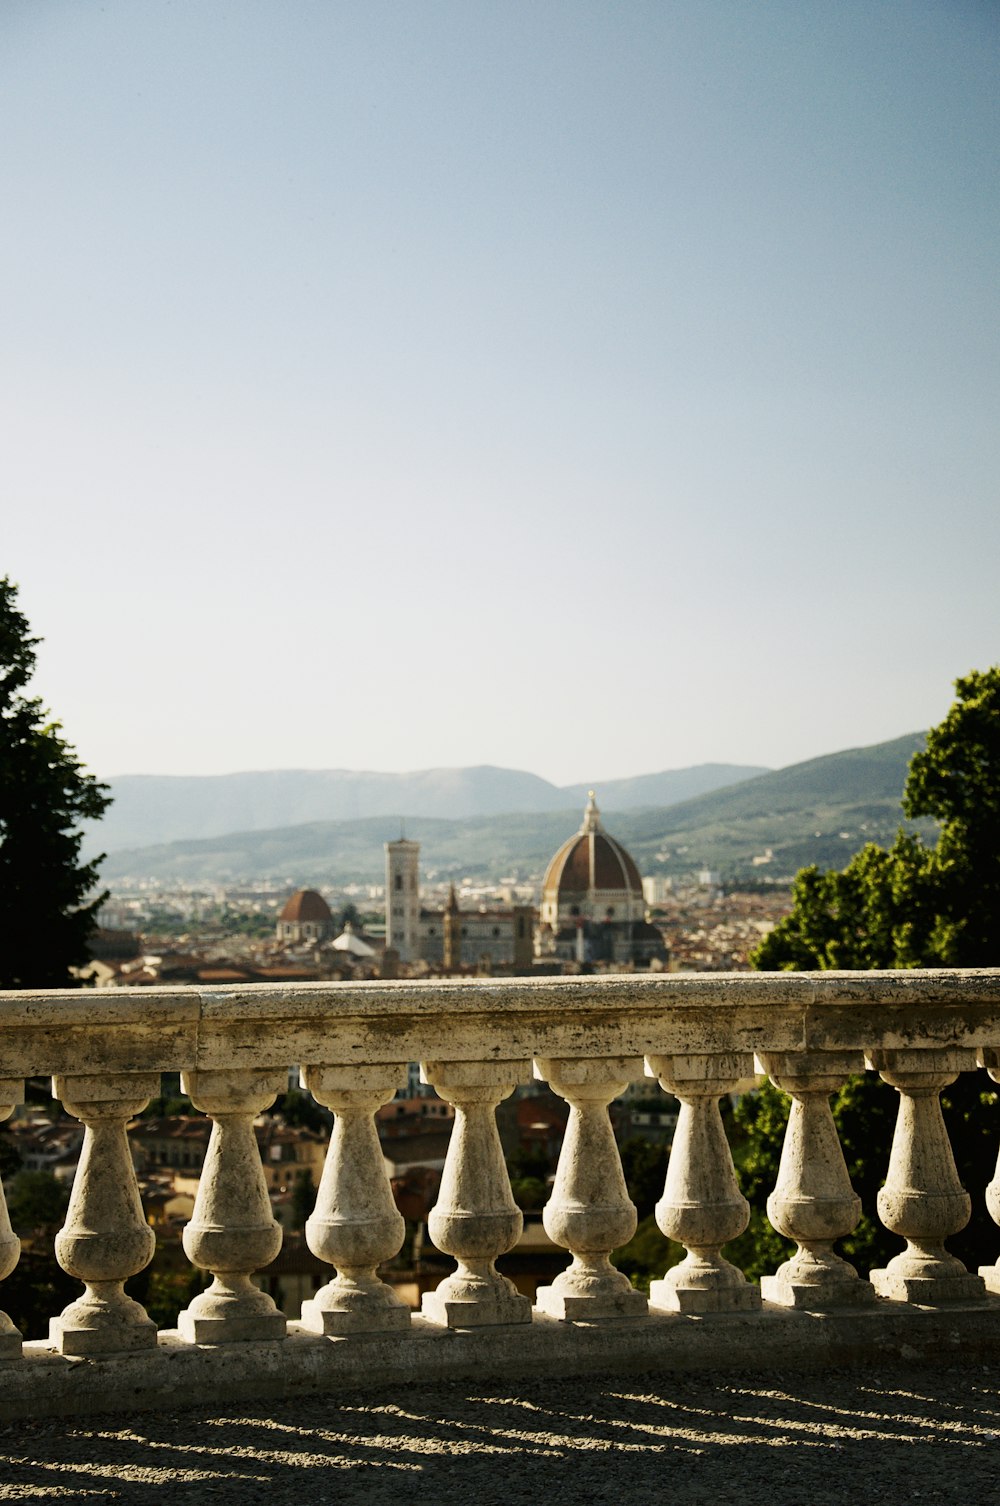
[(152, 809), (820, 811)]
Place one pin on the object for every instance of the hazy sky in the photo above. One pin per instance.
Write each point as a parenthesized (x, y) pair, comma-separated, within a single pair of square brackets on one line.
[(588, 387)]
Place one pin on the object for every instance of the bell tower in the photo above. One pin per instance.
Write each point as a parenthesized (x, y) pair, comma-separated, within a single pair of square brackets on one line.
[(402, 898)]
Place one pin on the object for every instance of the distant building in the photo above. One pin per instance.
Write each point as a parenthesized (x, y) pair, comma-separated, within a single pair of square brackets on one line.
[(450, 938), (402, 898), (306, 917), (656, 889), (593, 907), (453, 938)]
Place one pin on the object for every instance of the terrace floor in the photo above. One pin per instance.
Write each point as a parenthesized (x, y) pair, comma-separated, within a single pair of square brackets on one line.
[(886, 1434)]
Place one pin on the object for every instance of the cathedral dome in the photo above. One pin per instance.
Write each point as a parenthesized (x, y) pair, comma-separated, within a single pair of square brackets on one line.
[(593, 909), (591, 867), (306, 905)]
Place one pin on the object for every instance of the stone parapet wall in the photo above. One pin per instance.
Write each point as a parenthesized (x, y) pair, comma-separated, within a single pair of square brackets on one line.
[(701, 1036)]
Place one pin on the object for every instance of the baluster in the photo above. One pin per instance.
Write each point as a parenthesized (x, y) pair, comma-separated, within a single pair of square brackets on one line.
[(475, 1218), (105, 1238), (923, 1199), (990, 1059), (702, 1206), (355, 1224), (11, 1094), (813, 1201), (589, 1212), (232, 1232)]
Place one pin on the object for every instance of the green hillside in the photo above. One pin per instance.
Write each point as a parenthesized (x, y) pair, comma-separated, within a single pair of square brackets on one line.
[(820, 811)]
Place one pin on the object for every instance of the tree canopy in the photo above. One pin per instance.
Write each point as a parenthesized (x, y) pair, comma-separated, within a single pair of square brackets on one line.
[(911, 905), (45, 890), (915, 905)]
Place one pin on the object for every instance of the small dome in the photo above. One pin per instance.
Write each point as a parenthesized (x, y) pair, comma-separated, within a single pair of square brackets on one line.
[(307, 905)]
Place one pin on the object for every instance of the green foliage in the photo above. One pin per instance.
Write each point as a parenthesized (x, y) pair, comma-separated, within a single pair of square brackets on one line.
[(757, 1130), (167, 1293), (10, 1156), (647, 1255), (171, 1102), (877, 912), (303, 1198), (301, 1111), (530, 1193), (956, 779), (44, 794), (914, 905), (531, 1162), (36, 1200), (645, 1168), (865, 1112), (36, 1288), (910, 905)]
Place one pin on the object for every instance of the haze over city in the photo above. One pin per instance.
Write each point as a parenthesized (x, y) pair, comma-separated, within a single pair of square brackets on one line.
[(583, 388)]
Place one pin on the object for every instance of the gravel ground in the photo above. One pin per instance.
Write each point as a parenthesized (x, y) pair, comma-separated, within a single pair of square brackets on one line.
[(885, 1435)]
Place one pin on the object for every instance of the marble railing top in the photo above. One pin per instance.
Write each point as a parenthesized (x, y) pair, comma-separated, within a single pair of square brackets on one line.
[(512, 1019)]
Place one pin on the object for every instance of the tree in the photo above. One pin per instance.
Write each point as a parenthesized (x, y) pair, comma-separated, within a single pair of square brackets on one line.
[(46, 891), (956, 779), (37, 1201), (648, 1253), (914, 905), (911, 905), (304, 1195)]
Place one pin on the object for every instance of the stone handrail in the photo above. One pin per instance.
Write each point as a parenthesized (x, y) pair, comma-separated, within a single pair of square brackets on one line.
[(700, 1035)]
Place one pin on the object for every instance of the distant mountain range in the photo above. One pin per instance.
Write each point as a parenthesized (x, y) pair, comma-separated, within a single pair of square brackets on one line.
[(156, 808), (820, 811)]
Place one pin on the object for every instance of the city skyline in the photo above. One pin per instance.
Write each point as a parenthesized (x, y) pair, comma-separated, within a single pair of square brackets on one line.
[(581, 389)]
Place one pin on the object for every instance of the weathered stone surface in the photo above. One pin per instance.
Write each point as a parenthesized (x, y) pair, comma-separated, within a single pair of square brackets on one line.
[(775, 1342), (11, 1094), (267, 1026), (700, 1032), (923, 1199), (355, 1224), (232, 1232), (702, 1207), (475, 1218), (813, 1201), (590, 1212), (105, 1238)]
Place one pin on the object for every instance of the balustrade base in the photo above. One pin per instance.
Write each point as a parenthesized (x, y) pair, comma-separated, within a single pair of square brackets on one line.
[(817, 1297), (10, 1343), (115, 1338), (991, 1279), (774, 1341), (332, 1321), (235, 1328), (704, 1299), (568, 1308), (495, 1306), (928, 1291)]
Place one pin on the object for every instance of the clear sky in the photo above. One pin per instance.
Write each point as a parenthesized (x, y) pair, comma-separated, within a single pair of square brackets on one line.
[(582, 386)]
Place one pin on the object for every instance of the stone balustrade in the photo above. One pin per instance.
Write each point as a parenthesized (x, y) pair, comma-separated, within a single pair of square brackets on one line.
[(700, 1036)]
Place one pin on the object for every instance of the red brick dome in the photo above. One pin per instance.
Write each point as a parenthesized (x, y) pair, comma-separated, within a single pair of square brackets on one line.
[(588, 862), (307, 905)]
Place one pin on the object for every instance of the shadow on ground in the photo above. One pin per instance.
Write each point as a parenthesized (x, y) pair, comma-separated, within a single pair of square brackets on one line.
[(811, 1440)]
